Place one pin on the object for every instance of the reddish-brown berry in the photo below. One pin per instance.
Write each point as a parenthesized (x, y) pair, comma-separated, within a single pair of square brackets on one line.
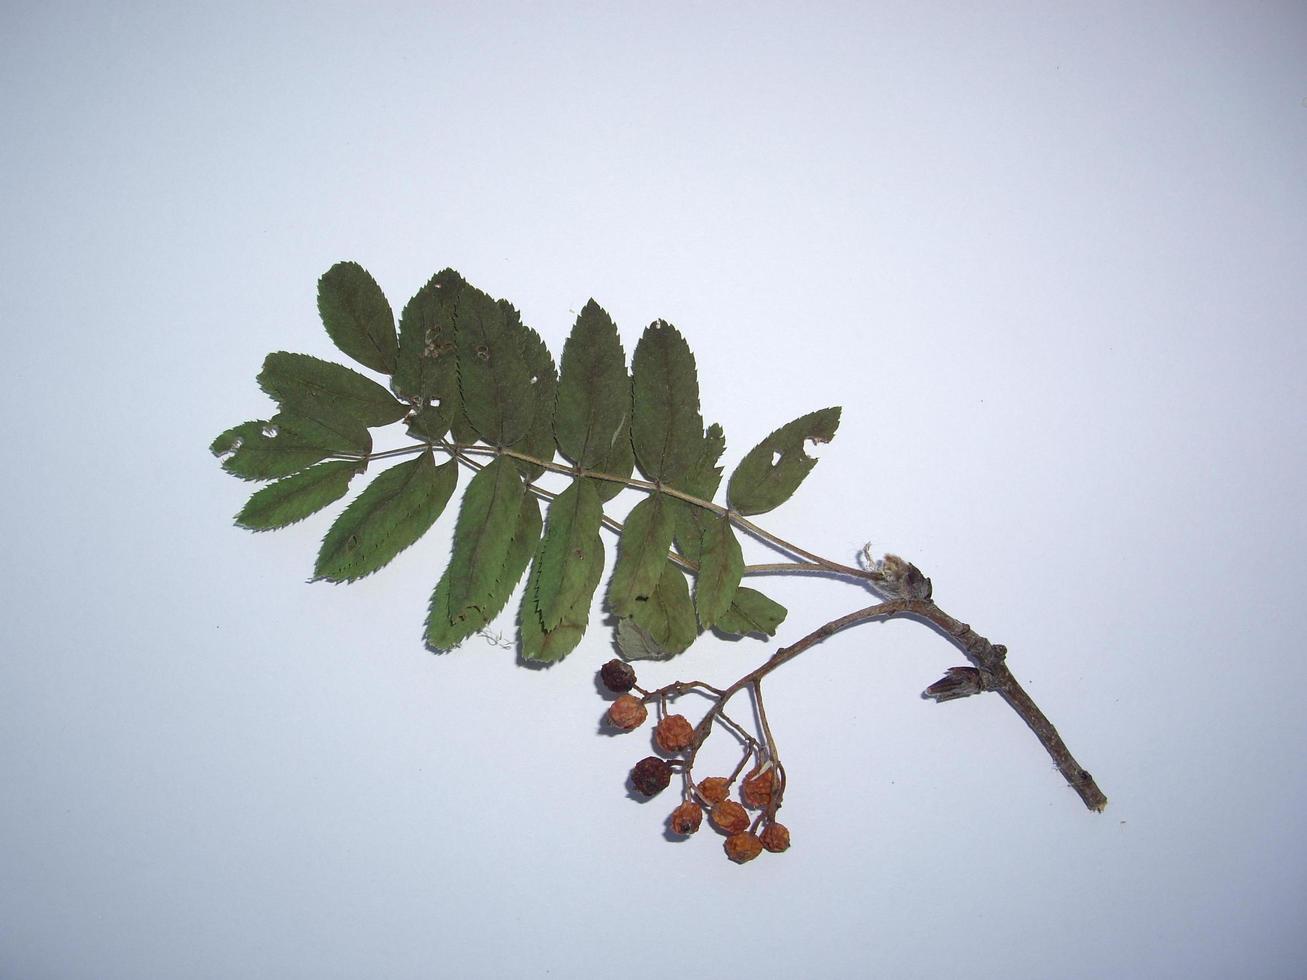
[(714, 789), (776, 837), (674, 733), (743, 847), (756, 789), (729, 817), (627, 712), (618, 676), (686, 818), (651, 775)]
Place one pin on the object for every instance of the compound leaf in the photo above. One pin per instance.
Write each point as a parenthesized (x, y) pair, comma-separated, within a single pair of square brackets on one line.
[(753, 613), (296, 497), (567, 552), (313, 387), (721, 565), (667, 429), (445, 629), (357, 316), (594, 390), (642, 552), (772, 470), (391, 513)]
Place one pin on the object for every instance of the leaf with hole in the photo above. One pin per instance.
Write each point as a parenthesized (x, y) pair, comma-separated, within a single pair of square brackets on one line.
[(357, 316), (392, 512), (296, 497), (426, 367), (493, 376), (539, 441), (772, 470), (316, 388), (287, 444)]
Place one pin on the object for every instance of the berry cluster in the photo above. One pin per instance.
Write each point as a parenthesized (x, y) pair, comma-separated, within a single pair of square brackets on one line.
[(760, 789)]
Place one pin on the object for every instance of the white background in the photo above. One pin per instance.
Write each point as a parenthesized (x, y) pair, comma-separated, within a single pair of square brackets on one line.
[(1049, 258)]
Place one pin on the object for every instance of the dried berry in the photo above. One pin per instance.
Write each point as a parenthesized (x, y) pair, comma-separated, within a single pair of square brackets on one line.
[(743, 847), (674, 733), (714, 789), (686, 818), (618, 676), (756, 789), (776, 837), (627, 712), (651, 775), (729, 817)]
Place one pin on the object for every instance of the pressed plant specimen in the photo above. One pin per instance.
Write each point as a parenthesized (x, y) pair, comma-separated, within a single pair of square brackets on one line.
[(476, 389)]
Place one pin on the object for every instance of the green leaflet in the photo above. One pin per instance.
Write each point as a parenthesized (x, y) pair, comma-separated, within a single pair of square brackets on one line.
[(539, 441), (594, 390), (753, 613), (702, 481), (667, 429), (426, 368), (540, 645), (619, 461), (287, 444), (721, 565), (759, 484), (296, 497), (642, 552), (357, 317), (445, 630), (392, 512), (668, 614), (636, 643), (493, 376), (429, 425), (568, 551), (313, 387), (483, 539)]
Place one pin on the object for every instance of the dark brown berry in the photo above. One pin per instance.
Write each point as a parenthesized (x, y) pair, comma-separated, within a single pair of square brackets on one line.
[(776, 837), (674, 733), (729, 817), (651, 775), (627, 713), (714, 789), (686, 818), (743, 847), (618, 676), (756, 789)]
